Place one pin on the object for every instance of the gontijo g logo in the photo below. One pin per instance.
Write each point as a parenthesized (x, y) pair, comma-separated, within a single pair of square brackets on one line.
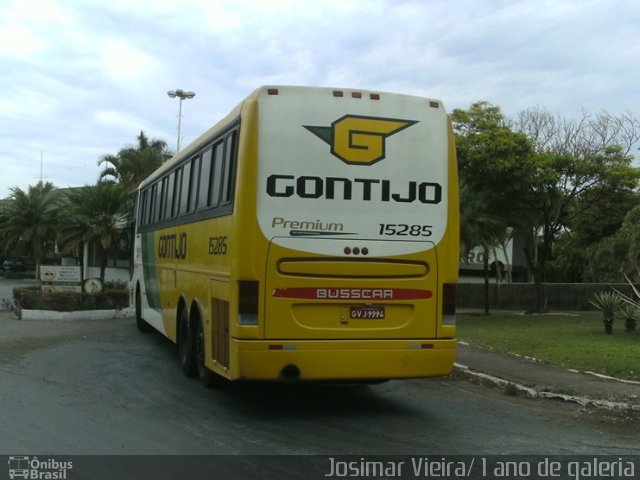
[(359, 140)]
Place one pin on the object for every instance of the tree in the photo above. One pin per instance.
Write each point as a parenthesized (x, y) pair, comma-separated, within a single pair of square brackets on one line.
[(590, 134), (616, 257), (493, 160), (478, 227), (545, 176), (493, 163), (576, 167), (29, 221), (131, 164), (96, 215), (576, 256), (71, 239)]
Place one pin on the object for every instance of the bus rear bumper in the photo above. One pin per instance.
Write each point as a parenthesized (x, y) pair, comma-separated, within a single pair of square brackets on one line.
[(337, 360)]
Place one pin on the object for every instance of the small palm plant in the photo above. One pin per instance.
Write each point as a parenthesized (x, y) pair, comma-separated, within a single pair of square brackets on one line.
[(631, 311), (608, 303), (630, 314)]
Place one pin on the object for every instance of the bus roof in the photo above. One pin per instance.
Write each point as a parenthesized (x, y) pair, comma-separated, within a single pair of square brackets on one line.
[(235, 114)]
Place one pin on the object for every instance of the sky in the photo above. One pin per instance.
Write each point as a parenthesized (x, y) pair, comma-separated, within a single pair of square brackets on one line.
[(80, 79)]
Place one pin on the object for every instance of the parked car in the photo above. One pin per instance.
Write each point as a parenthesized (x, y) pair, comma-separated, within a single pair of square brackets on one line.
[(12, 266)]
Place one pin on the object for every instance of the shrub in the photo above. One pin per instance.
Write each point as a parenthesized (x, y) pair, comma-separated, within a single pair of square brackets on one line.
[(608, 303), (115, 285), (32, 299), (630, 314), (27, 297)]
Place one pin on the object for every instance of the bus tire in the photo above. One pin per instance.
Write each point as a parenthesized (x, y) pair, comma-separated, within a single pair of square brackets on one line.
[(208, 378), (186, 345), (142, 325)]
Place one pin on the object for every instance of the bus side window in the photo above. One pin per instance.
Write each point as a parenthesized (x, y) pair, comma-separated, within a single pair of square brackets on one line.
[(176, 193), (193, 183), (158, 203), (169, 202), (162, 195), (229, 167), (142, 204), (152, 204), (216, 174), (184, 189), (205, 178)]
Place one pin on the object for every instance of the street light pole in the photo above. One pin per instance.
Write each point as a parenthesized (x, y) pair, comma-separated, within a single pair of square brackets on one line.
[(181, 94)]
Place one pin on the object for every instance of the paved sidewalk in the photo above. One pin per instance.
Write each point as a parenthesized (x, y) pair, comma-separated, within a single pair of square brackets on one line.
[(545, 381)]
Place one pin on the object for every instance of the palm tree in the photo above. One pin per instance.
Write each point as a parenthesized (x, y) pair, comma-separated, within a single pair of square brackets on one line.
[(96, 215), (29, 221), (131, 165), (71, 239)]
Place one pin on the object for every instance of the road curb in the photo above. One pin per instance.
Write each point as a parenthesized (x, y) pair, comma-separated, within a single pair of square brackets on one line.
[(487, 379)]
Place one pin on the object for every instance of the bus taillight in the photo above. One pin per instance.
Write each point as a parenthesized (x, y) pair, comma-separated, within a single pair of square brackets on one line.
[(449, 304), (248, 293)]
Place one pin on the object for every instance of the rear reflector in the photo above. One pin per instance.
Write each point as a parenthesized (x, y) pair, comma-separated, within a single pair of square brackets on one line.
[(247, 319), (448, 319)]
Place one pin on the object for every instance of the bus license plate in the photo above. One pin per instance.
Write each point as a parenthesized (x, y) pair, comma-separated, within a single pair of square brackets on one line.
[(367, 312)]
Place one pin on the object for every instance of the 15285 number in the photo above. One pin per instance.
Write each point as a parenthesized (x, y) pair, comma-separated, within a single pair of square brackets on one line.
[(404, 230), (218, 245)]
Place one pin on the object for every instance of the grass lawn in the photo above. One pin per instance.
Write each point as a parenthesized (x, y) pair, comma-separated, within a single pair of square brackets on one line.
[(570, 341)]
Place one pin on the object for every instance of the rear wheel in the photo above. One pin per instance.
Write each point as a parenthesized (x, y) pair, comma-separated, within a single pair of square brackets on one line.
[(186, 345), (208, 378), (143, 326)]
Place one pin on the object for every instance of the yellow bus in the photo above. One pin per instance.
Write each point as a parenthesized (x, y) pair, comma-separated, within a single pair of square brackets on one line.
[(311, 235)]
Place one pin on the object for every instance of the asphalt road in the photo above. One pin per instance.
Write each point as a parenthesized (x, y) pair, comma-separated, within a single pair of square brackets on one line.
[(101, 387)]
